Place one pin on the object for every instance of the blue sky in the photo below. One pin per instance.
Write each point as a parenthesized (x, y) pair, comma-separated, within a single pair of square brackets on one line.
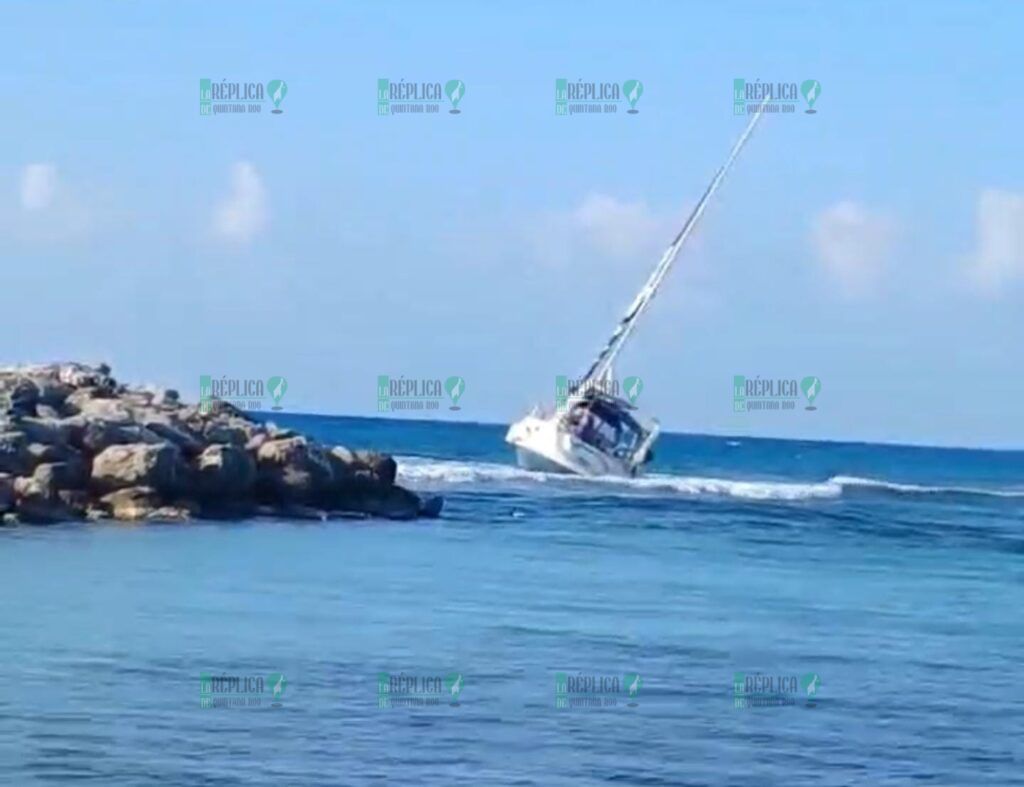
[(878, 244)]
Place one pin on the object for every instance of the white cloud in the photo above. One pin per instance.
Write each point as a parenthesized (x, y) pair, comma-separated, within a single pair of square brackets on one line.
[(617, 229), (854, 245), (606, 227), (38, 186), (241, 216), (998, 256)]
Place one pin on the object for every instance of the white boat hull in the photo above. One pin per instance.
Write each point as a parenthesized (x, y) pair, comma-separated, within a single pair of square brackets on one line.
[(543, 443)]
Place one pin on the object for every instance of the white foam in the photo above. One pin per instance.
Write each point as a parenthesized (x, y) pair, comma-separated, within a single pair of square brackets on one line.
[(418, 470), (917, 489)]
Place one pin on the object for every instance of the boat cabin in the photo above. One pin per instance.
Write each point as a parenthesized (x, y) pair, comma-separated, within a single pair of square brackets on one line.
[(605, 423)]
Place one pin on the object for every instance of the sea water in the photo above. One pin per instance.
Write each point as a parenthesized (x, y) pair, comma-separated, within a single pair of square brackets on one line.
[(796, 613)]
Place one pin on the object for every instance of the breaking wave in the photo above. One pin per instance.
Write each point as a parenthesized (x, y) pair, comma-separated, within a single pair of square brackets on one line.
[(420, 471)]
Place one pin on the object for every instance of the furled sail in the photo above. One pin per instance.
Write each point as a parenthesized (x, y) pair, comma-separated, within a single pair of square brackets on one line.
[(601, 369)]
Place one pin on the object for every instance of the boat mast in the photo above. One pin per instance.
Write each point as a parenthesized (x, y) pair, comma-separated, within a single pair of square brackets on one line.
[(602, 365)]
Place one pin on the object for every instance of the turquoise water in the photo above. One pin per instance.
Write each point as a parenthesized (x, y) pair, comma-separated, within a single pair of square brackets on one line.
[(895, 575)]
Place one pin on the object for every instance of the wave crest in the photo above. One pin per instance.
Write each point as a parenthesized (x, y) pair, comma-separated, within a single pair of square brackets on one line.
[(418, 470)]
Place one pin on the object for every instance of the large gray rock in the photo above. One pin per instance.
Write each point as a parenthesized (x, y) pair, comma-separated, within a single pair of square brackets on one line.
[(131, 504), (112, 410), (293, 470), (157, 466), (70, 433), (78, 375)]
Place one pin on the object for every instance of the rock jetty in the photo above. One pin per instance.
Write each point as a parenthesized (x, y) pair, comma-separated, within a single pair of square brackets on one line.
[(77, 445)]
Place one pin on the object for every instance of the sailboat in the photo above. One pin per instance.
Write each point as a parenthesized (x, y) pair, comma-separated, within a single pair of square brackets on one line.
[(597, 434)]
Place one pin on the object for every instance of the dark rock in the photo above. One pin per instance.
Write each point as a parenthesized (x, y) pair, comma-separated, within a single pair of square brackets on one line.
[(296, 511), (48, 431), (225, 471), (57, 476), (6, 492), (234, 431), (37, 501), (52, 394), (41, 511), (99, 435), (390, 502), (14, 456), (189, 444), (77, 500), (364, 466), (380, 467), (41, 453), (18, 393), (431, 506)]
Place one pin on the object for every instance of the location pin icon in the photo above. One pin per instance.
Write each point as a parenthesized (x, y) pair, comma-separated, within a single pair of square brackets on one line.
[(811, 386), (455, 89), (811, 89), (455, 386), (277, 89), (633, 88)]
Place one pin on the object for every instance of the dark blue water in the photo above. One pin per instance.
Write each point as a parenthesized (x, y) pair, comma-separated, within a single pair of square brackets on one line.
[(895, 575)]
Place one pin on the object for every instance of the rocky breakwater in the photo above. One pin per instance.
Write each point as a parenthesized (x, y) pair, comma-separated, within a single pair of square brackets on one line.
[(77, 445)]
